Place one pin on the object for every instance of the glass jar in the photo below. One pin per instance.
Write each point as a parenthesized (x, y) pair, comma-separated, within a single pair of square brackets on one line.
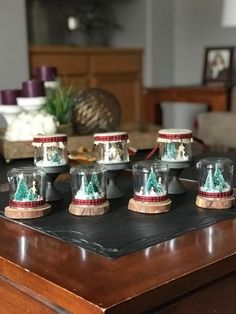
[(215, 177), (88, 184), (150, 180), (50, 150), (175, 145), (111, 147), (26, 186)]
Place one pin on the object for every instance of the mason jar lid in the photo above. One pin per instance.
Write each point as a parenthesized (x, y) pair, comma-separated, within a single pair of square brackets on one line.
[(166, 135), (50, 138), (210, 162), (27, 171), (111, 137)]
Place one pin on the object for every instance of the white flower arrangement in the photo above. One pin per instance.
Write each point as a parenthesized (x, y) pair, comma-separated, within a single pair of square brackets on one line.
[(29, 124)]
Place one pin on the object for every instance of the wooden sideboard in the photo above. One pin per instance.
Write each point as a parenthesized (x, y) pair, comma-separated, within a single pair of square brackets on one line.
[(217, 97), (117, 70)]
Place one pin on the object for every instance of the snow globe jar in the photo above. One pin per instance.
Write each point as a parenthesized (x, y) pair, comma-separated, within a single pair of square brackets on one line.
[(88, 190), (215, 179), (27, 189), (111, 147), (175, 145), (150, 180), (50, 150), (51, 154)]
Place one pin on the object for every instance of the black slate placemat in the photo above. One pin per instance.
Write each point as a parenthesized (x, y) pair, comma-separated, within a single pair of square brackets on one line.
[(121, 231)]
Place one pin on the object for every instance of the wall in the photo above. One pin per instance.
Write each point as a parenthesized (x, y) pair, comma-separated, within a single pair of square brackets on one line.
[(162, 42), (197, 26), (13, 39), (132, 15), (148, 24), (173, 33), (96, 22)]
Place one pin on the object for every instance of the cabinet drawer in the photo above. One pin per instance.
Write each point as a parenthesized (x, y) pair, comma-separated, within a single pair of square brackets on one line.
[(18, 299), (112, 63), (67, 64)]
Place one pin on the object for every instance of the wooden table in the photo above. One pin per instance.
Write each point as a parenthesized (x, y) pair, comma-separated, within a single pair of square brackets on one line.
[(193, 273), (217, 97)]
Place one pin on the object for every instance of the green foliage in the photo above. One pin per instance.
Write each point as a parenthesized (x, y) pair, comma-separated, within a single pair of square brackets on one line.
[(216, 181), (21, 191), (31, 195), (209, 184), (56, 156), (171, 150), (90, 190), (60, 102), (151, 183), (95, 182), (219, 180)]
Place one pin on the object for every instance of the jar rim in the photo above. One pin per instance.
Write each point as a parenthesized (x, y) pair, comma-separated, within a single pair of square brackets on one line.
[(50, 138), (159, 164), (113, 136), (175, 134)]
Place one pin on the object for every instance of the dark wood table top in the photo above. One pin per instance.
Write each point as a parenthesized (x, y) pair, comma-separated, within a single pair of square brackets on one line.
[(75, 278)]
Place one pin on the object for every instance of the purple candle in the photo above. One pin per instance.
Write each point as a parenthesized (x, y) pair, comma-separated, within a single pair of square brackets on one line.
[(9, 96), (33, 88), (46, 73)]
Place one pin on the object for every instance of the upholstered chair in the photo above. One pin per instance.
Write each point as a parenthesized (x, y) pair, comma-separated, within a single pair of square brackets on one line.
[(218, 129)]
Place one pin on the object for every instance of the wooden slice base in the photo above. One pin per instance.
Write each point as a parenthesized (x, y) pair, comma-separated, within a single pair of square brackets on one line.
[(149, 207), (95, 210), (215, 203), (27, 213)]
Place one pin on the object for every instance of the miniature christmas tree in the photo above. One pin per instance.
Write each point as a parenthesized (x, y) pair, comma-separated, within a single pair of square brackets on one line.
[(159, 187), (170, 151), (219, 180), (22, 189), (90, 191), (32, 195), (56, 156), (95, 182), (83, 187), (151, 183), (209, 183)]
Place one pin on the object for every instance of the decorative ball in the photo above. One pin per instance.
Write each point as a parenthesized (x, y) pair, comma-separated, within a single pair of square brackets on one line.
[(96, 110)]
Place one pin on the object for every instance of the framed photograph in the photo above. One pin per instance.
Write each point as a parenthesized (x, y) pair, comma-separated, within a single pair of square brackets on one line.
[(219, 65)]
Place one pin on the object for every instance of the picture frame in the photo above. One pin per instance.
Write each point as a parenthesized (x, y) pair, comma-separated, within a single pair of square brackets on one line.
[(219, 66)]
